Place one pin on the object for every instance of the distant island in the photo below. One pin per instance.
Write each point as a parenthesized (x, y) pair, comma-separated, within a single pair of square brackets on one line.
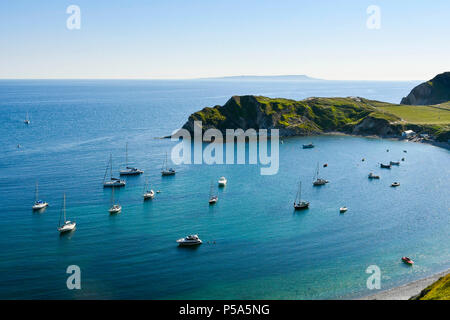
[(311, 116), (294, 77)]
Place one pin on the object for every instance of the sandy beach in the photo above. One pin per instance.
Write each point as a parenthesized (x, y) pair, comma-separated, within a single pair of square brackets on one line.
[(406, 291)]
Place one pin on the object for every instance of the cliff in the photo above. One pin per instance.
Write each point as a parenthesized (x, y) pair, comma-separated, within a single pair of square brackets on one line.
[(434, 91)]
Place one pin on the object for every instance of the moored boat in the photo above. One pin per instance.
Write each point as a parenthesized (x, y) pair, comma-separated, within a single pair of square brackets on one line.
[(212, 197), (39, 204), (129, 171), (395, 184), (300, 204), (385, 166), (222, 182), (308, 146), (318, 181), (372, 176), (166, 171), (343, 209), (394, 163), (148, 193), (408, 261), (67, 225), (115, 207), (191, 240), (113, 182)]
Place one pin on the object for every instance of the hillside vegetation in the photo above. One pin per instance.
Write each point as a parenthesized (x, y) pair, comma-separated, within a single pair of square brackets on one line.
[(352, 115), (440, 290)]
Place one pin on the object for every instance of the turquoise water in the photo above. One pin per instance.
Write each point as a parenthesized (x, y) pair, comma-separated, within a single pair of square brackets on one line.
[(255, 245)]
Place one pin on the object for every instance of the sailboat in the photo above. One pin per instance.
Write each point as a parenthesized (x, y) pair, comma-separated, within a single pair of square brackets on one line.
[(115, 207), (166, 171), (27, 120), (300, 204), (129, 171), (113, 182), (67, 225), (39, 204), (318, 181), (212, 198), (148, 194)]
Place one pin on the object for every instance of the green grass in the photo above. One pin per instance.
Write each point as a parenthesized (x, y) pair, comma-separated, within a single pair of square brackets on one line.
[(440, 290), (419, 114)]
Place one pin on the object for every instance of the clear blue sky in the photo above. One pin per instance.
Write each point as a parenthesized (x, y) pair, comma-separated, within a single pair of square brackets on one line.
[(202, 38)]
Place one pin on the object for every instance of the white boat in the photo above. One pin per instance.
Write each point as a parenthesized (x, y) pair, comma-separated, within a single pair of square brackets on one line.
[(342, 209), (129, 171), (191, 240), (148, 193), (166, 171), (395, 184), (318, 181), (113, 182), (212, 197), (115, 207), (222, 182), (27, 120), (39, 204), (300, 204), (67, 225)]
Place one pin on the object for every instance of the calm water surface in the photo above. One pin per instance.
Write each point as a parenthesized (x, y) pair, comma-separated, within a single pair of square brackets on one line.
[(255, 245)]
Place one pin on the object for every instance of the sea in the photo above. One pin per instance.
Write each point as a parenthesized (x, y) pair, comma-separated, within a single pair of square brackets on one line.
[(255, 246)]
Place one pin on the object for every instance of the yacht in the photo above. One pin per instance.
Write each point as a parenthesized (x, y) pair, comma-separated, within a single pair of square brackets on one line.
[(342, 209), (148, 193), (222, 182), (212, 197), (129, 171), (27, 120), (308, 146), (300, 204), (166, 171), (67, 225), (372, 176), (395, 184), (318, 181), (115, 207), (39, 204), (112, 182), (191, 240)]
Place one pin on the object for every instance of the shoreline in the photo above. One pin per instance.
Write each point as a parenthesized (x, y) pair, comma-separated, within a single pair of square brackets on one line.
[(406, 291)]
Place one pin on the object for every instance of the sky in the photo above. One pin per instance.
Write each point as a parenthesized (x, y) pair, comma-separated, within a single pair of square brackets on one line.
[(164, 39)]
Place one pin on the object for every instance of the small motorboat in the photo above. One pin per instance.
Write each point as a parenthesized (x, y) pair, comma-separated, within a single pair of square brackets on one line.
[(408, 261), (363, 159), (222, 182), (343, 209), (325, 165), (116, 208), (372, 176), (395, 184), (405, 151), (213, 199), (27, 120), (158, 191), (387, 150), (394, 163), (308, 146), (191, 240), (403, 159), (385, 166)]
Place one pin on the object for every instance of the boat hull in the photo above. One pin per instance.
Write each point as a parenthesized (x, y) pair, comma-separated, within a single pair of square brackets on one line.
[(67, 227), (40, 206)]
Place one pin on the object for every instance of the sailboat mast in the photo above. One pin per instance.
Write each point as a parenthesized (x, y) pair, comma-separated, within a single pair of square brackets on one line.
[(37, 191), (110, 164), (64, 207), (112, 196), (126, 155)]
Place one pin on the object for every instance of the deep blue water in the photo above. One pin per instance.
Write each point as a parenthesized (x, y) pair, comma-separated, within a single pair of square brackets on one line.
[(255, 245)]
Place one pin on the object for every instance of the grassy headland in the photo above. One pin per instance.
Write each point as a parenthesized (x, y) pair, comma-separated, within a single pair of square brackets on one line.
[(352, 115)]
